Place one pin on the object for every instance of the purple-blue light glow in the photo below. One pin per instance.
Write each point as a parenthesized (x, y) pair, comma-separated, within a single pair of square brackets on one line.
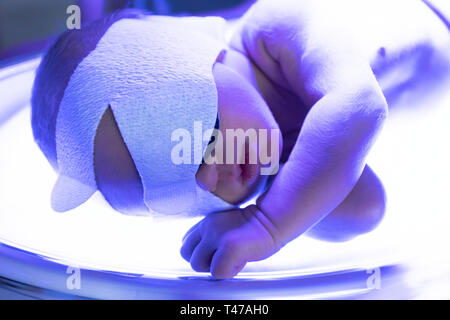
[(128, 257)]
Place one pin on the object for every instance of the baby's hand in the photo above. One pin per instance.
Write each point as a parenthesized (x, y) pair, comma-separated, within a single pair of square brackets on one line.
[(223, 242)]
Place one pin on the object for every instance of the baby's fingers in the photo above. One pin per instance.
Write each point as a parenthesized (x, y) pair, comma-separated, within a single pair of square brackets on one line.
[(202, 256), (227, 262), (191, 229), (190, 242)]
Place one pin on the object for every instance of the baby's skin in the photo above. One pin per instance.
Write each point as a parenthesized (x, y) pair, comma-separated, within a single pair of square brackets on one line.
[(320, 87), (295, 67)]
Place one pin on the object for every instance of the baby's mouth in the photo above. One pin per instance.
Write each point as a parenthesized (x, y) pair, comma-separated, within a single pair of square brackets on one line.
[(249, 173)]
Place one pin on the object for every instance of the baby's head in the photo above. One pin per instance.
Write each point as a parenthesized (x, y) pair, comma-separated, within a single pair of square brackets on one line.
[(127, 158)]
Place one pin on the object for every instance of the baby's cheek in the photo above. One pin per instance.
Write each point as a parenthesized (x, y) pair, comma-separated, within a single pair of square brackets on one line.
[(231, 190), (206, 177), (116, 175)]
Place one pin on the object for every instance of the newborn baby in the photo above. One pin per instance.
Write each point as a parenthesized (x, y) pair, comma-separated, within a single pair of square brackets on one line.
[(288, 67)]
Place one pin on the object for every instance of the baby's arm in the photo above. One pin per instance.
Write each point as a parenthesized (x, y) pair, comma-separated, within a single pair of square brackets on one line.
[(319, 63)]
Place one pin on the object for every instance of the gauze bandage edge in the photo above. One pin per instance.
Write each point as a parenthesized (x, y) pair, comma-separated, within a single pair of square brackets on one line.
[(77, 123)]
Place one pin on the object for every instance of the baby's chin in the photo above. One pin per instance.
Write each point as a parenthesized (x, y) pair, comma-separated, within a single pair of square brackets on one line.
[(235, 192)]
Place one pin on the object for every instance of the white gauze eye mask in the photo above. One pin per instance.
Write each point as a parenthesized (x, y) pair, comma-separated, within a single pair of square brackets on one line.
[(156, 75)]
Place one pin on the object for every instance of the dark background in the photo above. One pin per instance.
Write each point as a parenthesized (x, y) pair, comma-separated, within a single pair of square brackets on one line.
[(28, 27)]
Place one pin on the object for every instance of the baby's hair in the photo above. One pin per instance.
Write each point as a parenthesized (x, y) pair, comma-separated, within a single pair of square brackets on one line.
[(55, 70)]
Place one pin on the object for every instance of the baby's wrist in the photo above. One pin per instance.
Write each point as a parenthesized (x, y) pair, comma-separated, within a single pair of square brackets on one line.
[(268, 225)]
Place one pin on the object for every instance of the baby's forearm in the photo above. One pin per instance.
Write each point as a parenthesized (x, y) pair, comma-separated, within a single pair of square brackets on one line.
[(326, 162)]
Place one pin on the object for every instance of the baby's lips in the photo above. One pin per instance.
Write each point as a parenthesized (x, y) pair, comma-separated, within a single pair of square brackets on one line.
[(249, 173)]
